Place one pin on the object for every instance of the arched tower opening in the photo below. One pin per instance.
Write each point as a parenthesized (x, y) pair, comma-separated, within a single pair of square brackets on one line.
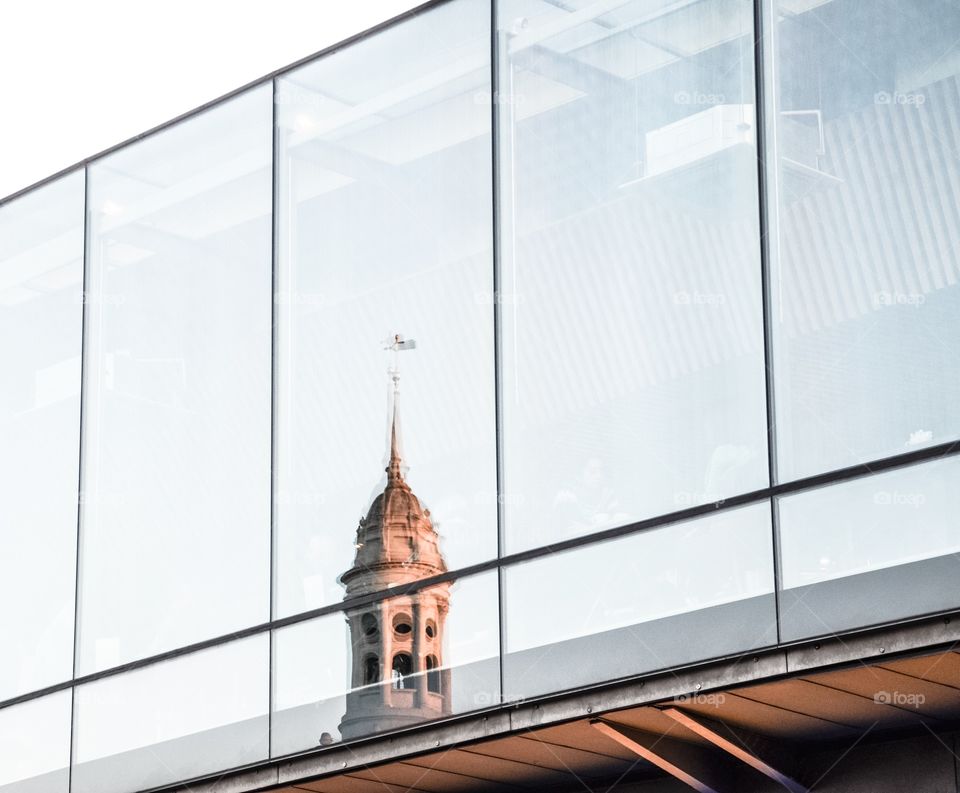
[(402, 671), (371, 670), (433, 675)]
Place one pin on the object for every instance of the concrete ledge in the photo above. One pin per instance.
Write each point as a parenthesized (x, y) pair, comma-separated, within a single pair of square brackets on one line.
[(875, 645), (242, 782), (656, 688), (419, 741)]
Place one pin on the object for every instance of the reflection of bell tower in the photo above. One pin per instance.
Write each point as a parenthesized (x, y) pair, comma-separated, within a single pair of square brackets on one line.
[(397, 677)]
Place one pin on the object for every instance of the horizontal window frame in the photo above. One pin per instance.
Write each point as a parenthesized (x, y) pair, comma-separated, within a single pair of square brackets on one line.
[(862, 470)]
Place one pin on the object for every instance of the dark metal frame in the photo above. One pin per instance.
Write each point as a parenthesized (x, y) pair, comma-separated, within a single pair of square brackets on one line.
[(497, 319), (274, 267), (84, 286), (764, 27), (760, 52)]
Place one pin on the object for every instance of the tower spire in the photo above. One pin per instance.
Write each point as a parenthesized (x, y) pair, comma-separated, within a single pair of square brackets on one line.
[(394, 471), (394, 467)]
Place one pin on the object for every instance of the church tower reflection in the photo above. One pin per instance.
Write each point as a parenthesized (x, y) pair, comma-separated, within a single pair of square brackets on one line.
[(397, 675)]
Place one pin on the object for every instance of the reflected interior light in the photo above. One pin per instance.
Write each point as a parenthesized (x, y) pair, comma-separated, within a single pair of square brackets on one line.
[(111, 208), (919, 437), (519, 25), (303, 122)]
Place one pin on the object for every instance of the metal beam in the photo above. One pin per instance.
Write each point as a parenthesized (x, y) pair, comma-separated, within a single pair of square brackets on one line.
[(757, 751), (562, 68), (689, 763), (346, 162)]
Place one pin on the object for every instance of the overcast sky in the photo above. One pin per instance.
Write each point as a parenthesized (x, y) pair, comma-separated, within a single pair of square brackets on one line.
[(78, 77)]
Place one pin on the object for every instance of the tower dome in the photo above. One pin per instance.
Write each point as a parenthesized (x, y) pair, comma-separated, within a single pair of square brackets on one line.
[(396, 541)]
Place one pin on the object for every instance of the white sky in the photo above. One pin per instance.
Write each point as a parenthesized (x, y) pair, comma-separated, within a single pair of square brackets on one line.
[(78, 77)]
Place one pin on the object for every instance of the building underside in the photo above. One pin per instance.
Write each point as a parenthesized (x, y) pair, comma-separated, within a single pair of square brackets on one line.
[(875, 711)]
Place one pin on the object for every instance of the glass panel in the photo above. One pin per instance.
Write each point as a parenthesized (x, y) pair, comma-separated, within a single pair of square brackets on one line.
[(176, 514), (872, 550), (633, 379), (387, 665), (385, 228), (865, 298), (35, 745), (174, 720), (631, 605), (41, 306)]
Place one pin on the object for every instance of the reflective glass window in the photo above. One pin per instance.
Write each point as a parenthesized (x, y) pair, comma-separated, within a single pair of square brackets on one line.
[(872, 550), (41, 308), (175, 720), (387, 665), (633, 376), (631, 605), (35, 745), (866, 213), (385, 229), (176, 509)]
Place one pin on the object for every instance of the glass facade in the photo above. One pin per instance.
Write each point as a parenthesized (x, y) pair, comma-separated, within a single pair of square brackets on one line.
[(490, 356), (41, 305), (175, 531), (864, 276), (384, 228), (174, 720), (630, 605), (35, 745), (877, 549), (631, 291)]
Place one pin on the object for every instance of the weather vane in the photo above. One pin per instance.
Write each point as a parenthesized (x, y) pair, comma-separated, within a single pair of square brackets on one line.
[(397, 344)]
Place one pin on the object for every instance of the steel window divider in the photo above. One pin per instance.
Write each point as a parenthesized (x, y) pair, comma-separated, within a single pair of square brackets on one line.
[(763, 52), (496, 229), (274, 265), (82, 406)]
